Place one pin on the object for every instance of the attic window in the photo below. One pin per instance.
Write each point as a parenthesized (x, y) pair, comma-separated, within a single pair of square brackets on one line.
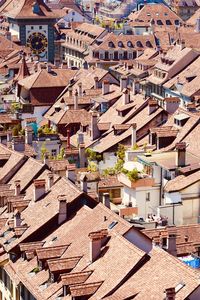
[(129, 44), (112, 224), (159, 22), (54, 239), (120, 44), (110, 44), (168, 22), (138, 44)]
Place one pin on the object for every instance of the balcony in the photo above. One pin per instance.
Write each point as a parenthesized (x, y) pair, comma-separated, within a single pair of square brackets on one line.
[(144, 181)]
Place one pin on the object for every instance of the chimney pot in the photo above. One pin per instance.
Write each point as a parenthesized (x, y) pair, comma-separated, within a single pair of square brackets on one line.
[(80, 90), (96, 83), (17, 219), (28, 135), (96, 241), (126, 97), (133, 134), (123, 83)]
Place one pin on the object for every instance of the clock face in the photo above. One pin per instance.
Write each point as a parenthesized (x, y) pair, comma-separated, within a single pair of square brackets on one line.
[(37, 42)]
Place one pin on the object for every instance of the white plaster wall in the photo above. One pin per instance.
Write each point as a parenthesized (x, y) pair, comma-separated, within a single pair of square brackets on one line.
[(14, 30), (74, 16), (172, 198), (167, 211)]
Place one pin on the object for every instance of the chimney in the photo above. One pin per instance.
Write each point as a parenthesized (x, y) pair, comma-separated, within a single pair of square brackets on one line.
[(156, 241), (126, 96), (9, 136), (39, 189), (17, 219), (76, 100), (83, 183), (181, 154), (94, 127), (28, 135), (106, 199), (70, 172), (197, 29), (17, 187), (8, 35), (80, 138), (96, 82), (62, 214), (46, 159), (96, 241), (80, 90), (105, 87), (68, 138), (171, 241), (70, 91), (170, 294), (18, 144), (49, 68), (135, 87), (123, 83), (133, 134), (50, 180), (152, 106), (82, 155)]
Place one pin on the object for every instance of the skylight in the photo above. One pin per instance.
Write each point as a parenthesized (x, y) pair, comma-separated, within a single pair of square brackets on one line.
[(112, 224)]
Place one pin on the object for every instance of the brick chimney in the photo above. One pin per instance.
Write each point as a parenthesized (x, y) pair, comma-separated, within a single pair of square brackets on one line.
[(17, 187), (28, 135), (70, 172), (171, 241), (133, 134), (106, 199), (96, 242), (181, 154), (39, 189), (170, 294), (62, 214), (82, 159), (80, 89), (123, 83), (126, 96), (17, 219), (76, 100), (50, 180), (96, 82), (105, 87), (94, 128)]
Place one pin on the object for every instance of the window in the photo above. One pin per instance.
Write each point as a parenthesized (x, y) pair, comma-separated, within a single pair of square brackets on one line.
[(53, 152), (120, 44), (32, 27), (164, 242), (130, 56), (148, 196), (73, 13), (176, 22), (159, 22), (129, 44), (40, 27), (168, 22)]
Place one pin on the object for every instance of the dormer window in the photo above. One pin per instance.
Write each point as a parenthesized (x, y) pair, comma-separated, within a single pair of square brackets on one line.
[(168, 22), (139, 44), (148, 44), (129, 44), (159, 22), (111, 45), (176, 22), (36, 8), (120, 44)]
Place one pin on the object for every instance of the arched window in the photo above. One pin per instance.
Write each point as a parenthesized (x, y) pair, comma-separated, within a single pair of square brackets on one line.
[(168, 22), (110, 44), (129, 44), (148, 44), (138, 44)]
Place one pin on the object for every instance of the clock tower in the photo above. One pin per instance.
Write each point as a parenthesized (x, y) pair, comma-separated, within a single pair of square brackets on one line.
[(32, 21)]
